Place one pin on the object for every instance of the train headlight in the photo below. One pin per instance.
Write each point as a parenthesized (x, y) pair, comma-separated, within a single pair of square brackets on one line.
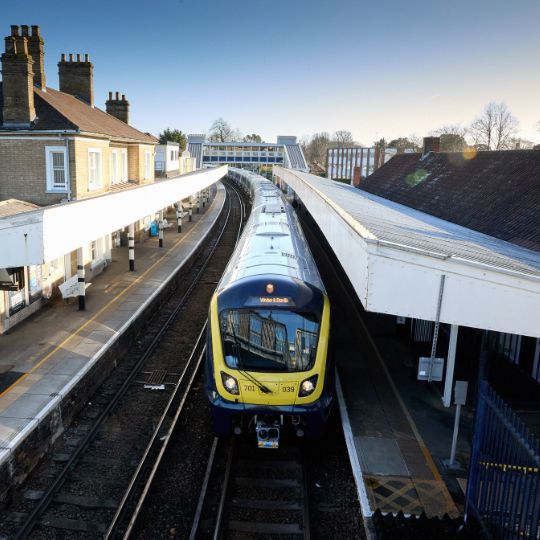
[(230, 383), (307, 387)]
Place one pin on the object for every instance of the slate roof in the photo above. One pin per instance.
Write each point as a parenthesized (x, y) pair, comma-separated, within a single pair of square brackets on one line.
[(60, 111), (496, 193)]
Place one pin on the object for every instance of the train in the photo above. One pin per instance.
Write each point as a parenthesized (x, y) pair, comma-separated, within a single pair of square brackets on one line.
[(268, 369)]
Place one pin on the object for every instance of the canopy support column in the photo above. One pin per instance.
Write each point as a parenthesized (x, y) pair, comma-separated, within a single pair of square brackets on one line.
[(131, 246), (80, 279), (450, 364)]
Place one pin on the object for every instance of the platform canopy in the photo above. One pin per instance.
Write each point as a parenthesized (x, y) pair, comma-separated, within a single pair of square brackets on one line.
[(395, 256), (44, 234)]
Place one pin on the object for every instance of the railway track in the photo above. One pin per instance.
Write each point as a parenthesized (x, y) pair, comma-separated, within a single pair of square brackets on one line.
[(96, 481), (125, 520), (262, 494)]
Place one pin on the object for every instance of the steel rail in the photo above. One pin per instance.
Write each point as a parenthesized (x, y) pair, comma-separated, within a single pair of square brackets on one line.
[(224, 491), (204, 490), (48, 496), (159, 441)]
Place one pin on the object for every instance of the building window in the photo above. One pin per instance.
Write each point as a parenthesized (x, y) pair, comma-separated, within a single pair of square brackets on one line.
[(118, 166), (115, 167), (56, 162), (95, 176), (124, 166), (147, 164), (510, 346)]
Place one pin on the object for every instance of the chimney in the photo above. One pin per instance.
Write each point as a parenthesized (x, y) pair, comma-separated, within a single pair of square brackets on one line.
[(18, 75), (357, 176), (431, 144), (118, 107), (35, 48), (77, 77)]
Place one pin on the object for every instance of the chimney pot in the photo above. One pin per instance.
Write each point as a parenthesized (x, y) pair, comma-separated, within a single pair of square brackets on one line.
[(86, 58), (63, 57), (14, 30), (110, 96), (78, 58), (70, 57), (123, 97), (10, 44), (431, 144), (24, 29), (117, 96), (35, 30)]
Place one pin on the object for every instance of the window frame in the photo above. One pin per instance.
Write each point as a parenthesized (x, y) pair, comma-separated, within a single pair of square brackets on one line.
[(147, 164), (49, 171), (93, 186), (124, 166)]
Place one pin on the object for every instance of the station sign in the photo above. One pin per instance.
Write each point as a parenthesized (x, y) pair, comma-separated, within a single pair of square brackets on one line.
[(430, 369)]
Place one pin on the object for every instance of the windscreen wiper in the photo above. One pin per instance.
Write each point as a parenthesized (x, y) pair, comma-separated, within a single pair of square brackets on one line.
[(264, 389)]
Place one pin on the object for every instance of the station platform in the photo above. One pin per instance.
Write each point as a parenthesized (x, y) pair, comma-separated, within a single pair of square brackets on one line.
[(394, 465), (396, 428), (49, 363)]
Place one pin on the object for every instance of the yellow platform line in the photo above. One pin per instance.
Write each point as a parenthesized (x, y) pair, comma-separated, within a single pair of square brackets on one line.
[(100, 311)]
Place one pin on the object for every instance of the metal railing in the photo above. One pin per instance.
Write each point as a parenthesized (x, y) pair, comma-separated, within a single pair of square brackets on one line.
[(503, 491)]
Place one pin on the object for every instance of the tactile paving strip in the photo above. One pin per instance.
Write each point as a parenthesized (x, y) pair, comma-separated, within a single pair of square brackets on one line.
[(392, 494), (398, 493)]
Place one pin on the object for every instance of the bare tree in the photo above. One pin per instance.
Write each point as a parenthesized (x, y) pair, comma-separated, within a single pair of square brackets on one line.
[(521, 144), (452, 137), (221, 131), (317, 146), (342, 138), (494, 127), (450, 129), (252, 137)]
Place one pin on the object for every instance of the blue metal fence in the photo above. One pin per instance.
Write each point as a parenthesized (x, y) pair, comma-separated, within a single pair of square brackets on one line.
[(503, 490)]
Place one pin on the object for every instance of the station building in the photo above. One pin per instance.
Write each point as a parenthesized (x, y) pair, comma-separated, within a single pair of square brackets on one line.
[(57, 147), (260, 157)]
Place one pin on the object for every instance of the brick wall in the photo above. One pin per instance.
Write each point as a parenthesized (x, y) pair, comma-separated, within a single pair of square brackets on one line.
[(22, 170)]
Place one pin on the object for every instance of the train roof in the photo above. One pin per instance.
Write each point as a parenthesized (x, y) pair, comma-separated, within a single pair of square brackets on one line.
[(272, 242)]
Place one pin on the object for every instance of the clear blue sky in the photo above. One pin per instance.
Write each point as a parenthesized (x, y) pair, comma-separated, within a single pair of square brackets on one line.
[(300, 66)]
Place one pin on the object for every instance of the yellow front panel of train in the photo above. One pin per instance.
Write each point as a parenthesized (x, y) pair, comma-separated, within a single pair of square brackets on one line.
[(280, 393), (283, 386)]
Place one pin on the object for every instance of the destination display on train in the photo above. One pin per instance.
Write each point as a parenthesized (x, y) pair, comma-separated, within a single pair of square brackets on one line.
[(270, 300)]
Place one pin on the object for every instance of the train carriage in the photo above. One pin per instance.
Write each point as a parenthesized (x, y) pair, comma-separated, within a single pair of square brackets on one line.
[(267, 365)]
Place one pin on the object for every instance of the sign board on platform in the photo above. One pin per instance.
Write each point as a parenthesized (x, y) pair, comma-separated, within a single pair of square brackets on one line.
[(425, 364), (70, 287), (460, 392)]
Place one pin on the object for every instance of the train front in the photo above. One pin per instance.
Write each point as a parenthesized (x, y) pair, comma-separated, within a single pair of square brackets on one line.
[(267, 366)]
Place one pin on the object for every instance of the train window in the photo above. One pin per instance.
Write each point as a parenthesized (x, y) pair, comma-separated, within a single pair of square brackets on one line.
[(269, 339)]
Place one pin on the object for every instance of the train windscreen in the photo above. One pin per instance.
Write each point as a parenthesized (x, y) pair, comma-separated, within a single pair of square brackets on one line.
[(269, 339)]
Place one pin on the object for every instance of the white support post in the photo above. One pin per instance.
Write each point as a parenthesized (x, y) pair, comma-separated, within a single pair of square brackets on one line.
[(198, 202), (161, 228), (450, 364), (204, 198), (131, 246), (179, 211), (80, 279), (26, 272)]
